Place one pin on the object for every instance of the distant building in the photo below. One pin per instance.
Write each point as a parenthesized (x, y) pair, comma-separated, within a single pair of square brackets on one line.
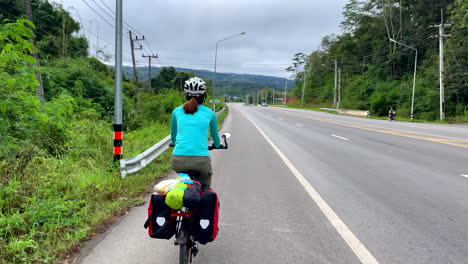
[(282, 99)]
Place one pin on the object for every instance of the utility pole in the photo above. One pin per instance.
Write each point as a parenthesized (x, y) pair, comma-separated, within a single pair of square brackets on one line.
[(441, 37), (336, 79), (135, 73), (272, 96), (39, 88), (118, 83), (149, 68), (303, 87), (132, 47), (339, 88), (285, 88)]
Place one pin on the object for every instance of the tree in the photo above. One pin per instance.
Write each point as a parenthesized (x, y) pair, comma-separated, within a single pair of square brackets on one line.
[(457, 61), (377, 73), (299, 60), (55, 29), (17, 79), (180, 78), (164, 79)]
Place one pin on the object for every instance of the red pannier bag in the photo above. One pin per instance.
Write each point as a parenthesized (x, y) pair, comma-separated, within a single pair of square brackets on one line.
[(160, 224), (206, 217)]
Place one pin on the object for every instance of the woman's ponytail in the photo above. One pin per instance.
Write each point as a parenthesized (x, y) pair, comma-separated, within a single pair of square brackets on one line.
[(191, 106)]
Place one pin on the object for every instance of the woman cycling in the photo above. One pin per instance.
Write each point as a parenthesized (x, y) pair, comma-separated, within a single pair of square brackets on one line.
[(189, 132)]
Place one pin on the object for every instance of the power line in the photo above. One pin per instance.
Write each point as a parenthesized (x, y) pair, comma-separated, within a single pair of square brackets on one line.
[(79, 48), (385, 50), (132, 28), (110, 24), (149, 47), (105, 11), (112, 17)]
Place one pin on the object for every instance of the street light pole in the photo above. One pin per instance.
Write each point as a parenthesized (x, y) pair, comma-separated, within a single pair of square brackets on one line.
[(214, 78), (216, 58), (303, 87), (414, 74)]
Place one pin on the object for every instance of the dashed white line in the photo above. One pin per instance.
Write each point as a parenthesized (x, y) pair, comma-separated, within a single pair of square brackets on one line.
[(282, 230), (299, 125), (464, 175), (348, 236), (343, 138)]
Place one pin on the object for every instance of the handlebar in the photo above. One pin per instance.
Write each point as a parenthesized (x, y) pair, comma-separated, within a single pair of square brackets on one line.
[(225, 146)]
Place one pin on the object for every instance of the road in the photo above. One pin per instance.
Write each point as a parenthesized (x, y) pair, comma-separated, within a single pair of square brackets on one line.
[(309, 187)]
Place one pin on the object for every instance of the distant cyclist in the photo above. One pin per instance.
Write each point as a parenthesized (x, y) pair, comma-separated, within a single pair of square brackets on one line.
[(189, 132), (391, 114)]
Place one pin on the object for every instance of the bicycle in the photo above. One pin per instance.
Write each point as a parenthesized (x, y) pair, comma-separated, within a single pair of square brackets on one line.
[(188, 247), (184, 238)]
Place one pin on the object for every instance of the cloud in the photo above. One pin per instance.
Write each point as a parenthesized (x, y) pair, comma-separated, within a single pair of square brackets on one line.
[(184, 32)]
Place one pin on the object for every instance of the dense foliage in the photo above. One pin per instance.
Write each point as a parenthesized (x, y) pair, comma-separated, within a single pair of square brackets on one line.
[(58, 183), (377, 74), (55, 28)]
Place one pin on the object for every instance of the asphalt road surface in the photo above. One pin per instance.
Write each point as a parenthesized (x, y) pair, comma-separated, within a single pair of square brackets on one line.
[(309, 187)]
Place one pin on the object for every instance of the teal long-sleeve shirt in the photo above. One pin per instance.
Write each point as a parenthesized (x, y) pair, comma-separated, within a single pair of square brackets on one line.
[(189, 132)]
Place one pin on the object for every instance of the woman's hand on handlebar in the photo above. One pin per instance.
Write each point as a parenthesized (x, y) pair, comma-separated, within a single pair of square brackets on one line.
[(221, 146)]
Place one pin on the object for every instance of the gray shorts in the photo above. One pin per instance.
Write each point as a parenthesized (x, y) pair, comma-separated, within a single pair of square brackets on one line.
[(195, 163)]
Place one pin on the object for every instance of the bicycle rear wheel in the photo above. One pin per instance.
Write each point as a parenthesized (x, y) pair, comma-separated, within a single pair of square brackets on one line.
[(184, 247)]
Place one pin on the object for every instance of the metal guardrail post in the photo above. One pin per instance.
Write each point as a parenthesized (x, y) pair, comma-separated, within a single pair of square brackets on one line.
[(135, 164)]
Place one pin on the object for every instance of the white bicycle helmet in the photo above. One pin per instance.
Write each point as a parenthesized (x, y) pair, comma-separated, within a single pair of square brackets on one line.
[(194, 87)]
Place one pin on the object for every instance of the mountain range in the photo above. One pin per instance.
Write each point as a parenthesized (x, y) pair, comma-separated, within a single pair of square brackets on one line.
[(234, 84)]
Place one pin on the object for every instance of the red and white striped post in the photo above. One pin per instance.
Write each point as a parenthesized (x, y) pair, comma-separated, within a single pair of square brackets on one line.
[(118, 83), (117, 141)]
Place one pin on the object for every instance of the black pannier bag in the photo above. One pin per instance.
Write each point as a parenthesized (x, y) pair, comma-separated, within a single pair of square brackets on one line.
[(206, 217), (160, 223)]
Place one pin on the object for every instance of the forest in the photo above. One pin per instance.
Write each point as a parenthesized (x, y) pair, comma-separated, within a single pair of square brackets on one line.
[(58, 182), (377, 73)]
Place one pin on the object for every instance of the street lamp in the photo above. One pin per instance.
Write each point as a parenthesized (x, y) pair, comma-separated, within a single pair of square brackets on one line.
[(414, 75), (216, 57)]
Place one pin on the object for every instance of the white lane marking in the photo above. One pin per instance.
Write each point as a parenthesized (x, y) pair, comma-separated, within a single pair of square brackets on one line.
[(339, 137), (353, 242), (299, 125), (282, 230), (463, 175)]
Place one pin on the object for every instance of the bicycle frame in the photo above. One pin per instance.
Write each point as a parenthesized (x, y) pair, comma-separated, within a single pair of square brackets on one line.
[(184, 238)]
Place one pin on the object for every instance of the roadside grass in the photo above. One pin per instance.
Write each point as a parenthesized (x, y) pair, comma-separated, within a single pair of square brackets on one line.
[(222, 116), (52, 206), (312, 108), (449, 120)]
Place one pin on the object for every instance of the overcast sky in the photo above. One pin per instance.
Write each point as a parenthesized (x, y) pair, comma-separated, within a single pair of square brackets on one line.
[(184, 32)]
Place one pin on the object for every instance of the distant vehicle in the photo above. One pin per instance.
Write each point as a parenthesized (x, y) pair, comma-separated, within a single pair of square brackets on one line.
[(264, 104)]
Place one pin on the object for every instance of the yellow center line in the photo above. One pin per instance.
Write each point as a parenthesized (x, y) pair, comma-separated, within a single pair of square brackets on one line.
[(397, 132)]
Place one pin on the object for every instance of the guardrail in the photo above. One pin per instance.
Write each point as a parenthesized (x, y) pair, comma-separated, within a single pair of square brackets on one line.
[(135, 164), (354, 112), (329, 109)]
